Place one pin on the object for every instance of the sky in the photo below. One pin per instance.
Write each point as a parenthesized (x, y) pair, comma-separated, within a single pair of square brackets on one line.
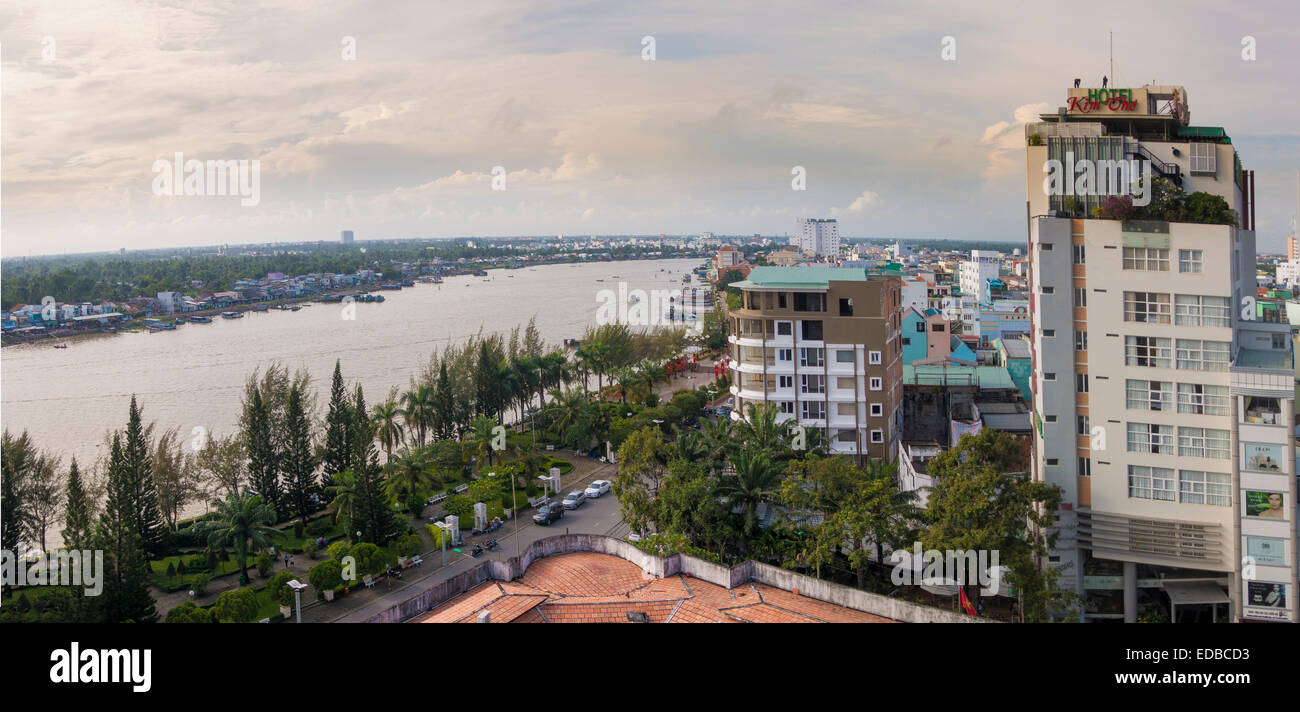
[(389, 118)]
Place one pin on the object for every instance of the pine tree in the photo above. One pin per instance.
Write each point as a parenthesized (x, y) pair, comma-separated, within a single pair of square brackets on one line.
[(76, 512), (16, 459), (444, 405), (336, 451), (374, 514), (299, 462), (126, 595), (263, 470), (137, 463), (363, 433), (485, 372)]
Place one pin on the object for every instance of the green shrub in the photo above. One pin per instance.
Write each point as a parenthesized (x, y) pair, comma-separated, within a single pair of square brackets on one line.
[(279, 589), (338, 550), (415, 505), (200, 583), (187, 612), (297, 529), (171, 569), (325, 576), (461, 506), (238, 606), (319, 527), (408, 545), (265, 563), (369, 559)]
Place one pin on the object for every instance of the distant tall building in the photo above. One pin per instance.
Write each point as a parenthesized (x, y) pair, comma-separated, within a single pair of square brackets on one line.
[(819, 236), (347, 237)]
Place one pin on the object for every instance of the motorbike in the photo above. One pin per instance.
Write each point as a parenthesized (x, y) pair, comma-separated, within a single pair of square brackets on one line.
[(478, 551), (493, 545)]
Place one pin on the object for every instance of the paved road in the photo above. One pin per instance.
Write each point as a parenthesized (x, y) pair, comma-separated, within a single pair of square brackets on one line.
[(597, 516)]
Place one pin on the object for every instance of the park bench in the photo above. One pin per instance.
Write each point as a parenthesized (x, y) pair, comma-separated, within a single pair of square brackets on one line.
[(413, 561), (369, 581), (461, 489), (438, 498)]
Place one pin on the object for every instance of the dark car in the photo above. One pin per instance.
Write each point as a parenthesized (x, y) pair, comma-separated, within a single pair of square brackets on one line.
[(548, 513)]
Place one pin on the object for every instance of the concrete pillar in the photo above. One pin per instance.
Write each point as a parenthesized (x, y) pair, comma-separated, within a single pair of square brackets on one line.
[(1130, 592)]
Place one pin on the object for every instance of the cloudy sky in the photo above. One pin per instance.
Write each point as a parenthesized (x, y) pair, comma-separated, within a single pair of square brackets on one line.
[(401, 141)]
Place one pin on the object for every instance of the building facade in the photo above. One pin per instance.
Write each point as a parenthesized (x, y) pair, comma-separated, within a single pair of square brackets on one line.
[(818, 236), (824, 344), (1163, 406)]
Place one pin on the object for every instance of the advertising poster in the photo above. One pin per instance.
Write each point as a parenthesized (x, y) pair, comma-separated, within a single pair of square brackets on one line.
[(1268, 505), (1266, 550), (1262, 457)]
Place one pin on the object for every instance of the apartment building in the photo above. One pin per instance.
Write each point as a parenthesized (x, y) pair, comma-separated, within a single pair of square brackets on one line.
[(1163, 402), (823, 343), (818, 236)]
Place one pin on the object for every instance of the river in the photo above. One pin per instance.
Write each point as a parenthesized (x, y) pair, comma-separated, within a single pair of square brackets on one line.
[(193, 377)]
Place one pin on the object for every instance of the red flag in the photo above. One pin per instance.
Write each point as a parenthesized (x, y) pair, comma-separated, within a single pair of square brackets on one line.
[(965, 603)]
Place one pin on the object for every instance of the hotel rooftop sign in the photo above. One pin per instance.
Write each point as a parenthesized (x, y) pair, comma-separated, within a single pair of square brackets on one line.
[(1107, 101)]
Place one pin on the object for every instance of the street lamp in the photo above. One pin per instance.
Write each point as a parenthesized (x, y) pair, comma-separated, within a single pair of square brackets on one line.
[(514, 509), (297, 587)]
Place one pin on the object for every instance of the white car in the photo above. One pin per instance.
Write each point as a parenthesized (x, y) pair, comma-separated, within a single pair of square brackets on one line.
[(597, 488)]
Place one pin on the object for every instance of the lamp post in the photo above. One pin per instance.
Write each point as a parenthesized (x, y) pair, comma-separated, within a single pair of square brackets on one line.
[(514, 509), (297, 587)]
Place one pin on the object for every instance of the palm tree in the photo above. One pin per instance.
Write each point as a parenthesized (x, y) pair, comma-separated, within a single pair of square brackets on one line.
[(717, 441), (761, 432), (411, 471), (624, 380), (387, 428), (594, 357), (345, 493), (689, 446), (417, 411), (566, 409), (241, 521), (477, 443), (756, 481)]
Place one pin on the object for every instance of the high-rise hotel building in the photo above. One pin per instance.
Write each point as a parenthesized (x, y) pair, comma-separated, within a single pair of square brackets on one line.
[(1163, 398), (823, 344)]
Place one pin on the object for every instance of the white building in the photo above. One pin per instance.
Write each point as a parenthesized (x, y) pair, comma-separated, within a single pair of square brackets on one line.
[(817, 235), (916, 293), (1288, 273), (1163, 405)]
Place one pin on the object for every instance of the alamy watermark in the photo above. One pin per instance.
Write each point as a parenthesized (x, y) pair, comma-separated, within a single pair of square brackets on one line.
[(651, 307), (194, 177), (78, 567), (932, 567), (1098, 177)]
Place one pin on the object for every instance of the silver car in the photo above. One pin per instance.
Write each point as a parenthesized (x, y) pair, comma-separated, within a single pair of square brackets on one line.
[(597, 488), (574, 499)]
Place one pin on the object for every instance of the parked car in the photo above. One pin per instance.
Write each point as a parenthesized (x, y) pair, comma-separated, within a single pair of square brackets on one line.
[(724, 411), (574, 499), (597, 488), (548, 513), (633, 536)]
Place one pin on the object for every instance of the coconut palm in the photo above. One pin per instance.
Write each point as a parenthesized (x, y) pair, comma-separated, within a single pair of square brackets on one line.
[(242, 522), (477, 443), (717, 441), (417, 412), (689, 446), (411, 471), (757, 480), (345, 493), (760, 431), (388, 428)]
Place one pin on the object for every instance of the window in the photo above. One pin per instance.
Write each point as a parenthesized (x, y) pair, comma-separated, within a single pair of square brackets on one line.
[(920, 327), (1203, 158), (1198, 355), (809, 302), (1049, 418), (877, 436), (786, 355), (877, 409), (1203, 442), (1080, 297), (812, 357), (1052, 462), (907, 341), (846, 383), (1048, 290), (876, 383), (1147, 351), (1046, 246), (786, 407), (844, 356), (938, 326), (1189, 260), (1080, 341), (1085, 467), (1279, 341), (812, 330), (1049, 376), (1149, 395), (1049, 333), (785, 381), (812, 384), (1080, 383), (873, 357), (1147, 437), (846, 307), (1078, 254), (784, 328), (1196, 310), (1151, 482), (1147, 259), (1146, 307), (812, 410), (1081, 426), (780, 301), (1196, 487), (1260, 409), (1200, 399)]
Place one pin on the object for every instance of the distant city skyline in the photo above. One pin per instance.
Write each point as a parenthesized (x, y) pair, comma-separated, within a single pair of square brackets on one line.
[(401, 142)]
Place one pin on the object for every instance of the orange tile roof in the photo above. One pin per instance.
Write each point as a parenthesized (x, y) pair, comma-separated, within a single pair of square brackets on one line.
[(601, 588)]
